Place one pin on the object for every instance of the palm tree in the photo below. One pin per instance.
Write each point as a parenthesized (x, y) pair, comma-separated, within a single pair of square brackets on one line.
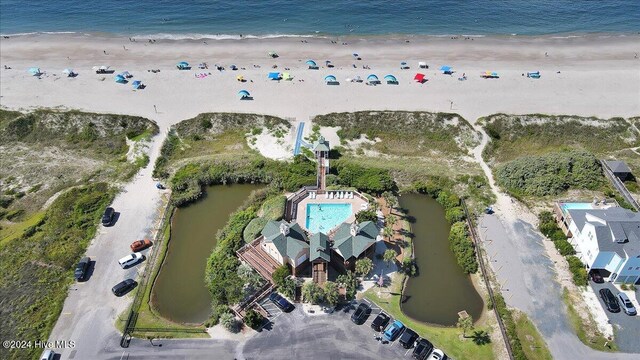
[(388, 232), (389, 256), (466, 324)]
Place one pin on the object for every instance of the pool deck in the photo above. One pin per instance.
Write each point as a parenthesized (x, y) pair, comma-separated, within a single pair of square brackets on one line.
[(301, 216)]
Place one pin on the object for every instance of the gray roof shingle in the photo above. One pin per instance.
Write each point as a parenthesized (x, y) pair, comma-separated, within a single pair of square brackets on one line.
[(611, 225)]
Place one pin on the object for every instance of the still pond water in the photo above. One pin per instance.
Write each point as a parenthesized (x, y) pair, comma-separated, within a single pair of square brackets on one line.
[(179, 293), (442, 289)]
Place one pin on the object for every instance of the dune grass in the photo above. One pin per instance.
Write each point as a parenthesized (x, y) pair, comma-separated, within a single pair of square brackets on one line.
[(586, 329), (532, 342)]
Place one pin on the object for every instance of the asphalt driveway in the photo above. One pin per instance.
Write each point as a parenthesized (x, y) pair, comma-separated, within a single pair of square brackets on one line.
[(627, 328)]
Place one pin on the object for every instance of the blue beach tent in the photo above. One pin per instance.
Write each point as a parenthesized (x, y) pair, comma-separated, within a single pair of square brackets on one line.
[(137, 84), (331, 80), (312, 64), (275, 76), (446, 69), (390, 79), (35, 71), (120, 79), (183, 65), (243, 94), (373, 79)]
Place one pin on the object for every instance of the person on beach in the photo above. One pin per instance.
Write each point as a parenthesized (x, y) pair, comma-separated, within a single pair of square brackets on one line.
[(104, 51)]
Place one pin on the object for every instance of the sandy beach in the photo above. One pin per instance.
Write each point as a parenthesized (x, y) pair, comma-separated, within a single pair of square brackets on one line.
[(590, 75)]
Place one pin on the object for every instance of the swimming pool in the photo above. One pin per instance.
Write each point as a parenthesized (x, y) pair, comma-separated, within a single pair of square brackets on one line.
[(576, 206), (324, 217)]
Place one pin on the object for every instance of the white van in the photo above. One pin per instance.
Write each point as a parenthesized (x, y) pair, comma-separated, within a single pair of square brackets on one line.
[(130, 260)]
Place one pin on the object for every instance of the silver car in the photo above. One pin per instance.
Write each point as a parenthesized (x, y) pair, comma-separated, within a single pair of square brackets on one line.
[(626, 304)]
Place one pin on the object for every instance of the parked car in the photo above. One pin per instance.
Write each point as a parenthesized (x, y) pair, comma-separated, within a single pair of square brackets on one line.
[(123, 287), (361, 314), (609, 300), (281, 302), (107, 217), (423, 349), (140, 245), (130, 260), (437, 354), (81, 269), (626, 304), (47, 355), (380, 322), (408, 338), (393, 331), (596, 277)]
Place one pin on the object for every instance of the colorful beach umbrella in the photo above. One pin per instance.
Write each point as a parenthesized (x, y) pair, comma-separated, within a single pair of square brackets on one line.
[(287, 76), (446, 69), (419, 78), (136, 84), (120, 79), (274, 76), (243, 94)]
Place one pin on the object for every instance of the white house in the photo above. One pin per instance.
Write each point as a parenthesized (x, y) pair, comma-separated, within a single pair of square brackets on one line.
[(607, 240), (286, 243)]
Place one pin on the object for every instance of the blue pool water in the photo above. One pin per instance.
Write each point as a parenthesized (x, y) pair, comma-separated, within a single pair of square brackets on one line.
[(576, 206), (324, 217)]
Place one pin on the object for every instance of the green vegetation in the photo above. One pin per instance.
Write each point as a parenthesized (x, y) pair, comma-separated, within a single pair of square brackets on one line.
[(532, 342), (38, 269), (370, 180), (549, 228), (366, 215), (465, 324), (585, 326), (229, 322), (313, 293), (331, 293), (550, 174), (364, 266), (445, 338), (253, 319), (272, 209), (515, 136), (288, 288), (350, 283), (510, 326), (462, 248), (405, 133), (280, 275)]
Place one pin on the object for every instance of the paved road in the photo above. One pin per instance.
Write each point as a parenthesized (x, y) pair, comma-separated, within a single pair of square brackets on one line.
[(527, 276), (90, 310), (627, 328)]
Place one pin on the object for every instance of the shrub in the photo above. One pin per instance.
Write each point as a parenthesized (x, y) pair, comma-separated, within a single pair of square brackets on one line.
[(273, 208), (550, 174), (510, 327), (229, 321), (350, 282), (410, 267), (454, 214), (280, 274), (253, 319), (371, 180), (366, 215), (564, 247), (331, 292), (577, 270), (288, 288), (253, 229), (462, 248), (313, 293)]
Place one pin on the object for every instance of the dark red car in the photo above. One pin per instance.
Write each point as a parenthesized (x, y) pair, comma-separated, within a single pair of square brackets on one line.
[(139, 245), (596, 277)]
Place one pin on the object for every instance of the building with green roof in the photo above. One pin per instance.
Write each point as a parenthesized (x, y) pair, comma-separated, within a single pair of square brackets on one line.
[(353, 241), (286, 242)]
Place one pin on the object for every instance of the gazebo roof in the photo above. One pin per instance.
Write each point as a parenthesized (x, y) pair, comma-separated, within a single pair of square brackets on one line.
[(351, 240), (321, 145), (319, 247)]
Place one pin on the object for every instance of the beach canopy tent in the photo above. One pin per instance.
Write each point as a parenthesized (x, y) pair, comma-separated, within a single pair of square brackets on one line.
[(273, 54), (183, 65), (137, 84), (240, 78), (403, 65), (287, 76), (390, 79), (120, 79), (373, 79), (243, 94), (423, 65), (126, 74), (446, 69), (331, 80), (274, 76), (357, 79), (35, 71), (419, 78), (69, 72), (312, 64), (533, 74)]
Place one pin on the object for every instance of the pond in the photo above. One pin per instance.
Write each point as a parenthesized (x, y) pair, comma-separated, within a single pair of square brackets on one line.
[(179, 293), (442, 289)]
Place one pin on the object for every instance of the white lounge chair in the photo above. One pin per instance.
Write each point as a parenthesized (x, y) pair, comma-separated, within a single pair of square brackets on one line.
[(326, 195), (341, 195)]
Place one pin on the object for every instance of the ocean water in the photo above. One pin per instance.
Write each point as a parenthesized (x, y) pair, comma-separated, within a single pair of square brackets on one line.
[(201, 18)]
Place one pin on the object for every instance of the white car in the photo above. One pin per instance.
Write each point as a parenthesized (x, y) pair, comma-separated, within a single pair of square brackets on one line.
[(130, 260), (47, 355), (437, 354), (626, 304)]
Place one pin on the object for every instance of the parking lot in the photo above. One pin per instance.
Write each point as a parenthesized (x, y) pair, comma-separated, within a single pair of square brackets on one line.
[(626, 327), (331, 336)]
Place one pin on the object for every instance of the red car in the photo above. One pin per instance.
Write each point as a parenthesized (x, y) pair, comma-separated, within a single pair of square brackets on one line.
[(139, 245)]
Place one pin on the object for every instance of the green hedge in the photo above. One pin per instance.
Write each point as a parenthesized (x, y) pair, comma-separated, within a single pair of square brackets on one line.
[(549, 228), (550, 174), (510, 327), (577, 270), (273, 208), (254, 228), (462, 248), (371, 180)]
